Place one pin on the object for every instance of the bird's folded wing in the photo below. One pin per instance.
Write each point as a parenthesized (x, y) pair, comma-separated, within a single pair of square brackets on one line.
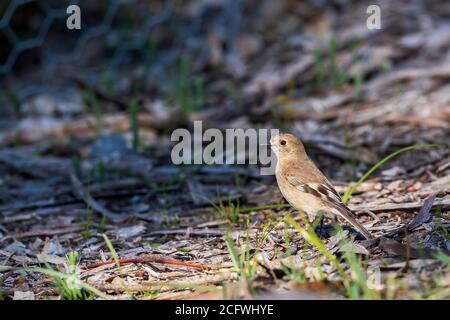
[(330, 199), (323, 191)]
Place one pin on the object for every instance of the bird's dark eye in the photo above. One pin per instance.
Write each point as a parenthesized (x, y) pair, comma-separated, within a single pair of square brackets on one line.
[(283, 142)]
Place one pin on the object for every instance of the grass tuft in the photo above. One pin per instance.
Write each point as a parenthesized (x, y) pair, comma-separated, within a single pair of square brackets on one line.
[(91, 100), (67, 283), (356, 284), (243, 263), (311, 237), (187, 89)]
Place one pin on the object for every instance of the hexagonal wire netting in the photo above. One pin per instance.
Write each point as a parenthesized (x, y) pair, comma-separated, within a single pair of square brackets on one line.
[(37, 49)]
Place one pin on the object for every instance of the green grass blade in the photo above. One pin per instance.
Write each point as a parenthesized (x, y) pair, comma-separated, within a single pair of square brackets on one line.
[(348, 193), (133, 110), (90, 98), (357, 84), (112, 250), (117, 261), (233, 251), (311, 237)]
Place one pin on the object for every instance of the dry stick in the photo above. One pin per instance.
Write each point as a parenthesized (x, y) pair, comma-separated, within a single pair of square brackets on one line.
[(444, 202), (166, 285), (44, 232), (194, 232), (197, 232), (80, 192), (157, 259), (95, 188)]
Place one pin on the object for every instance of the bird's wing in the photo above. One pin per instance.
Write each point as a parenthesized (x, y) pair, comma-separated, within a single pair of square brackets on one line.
[(330, 199), (321, 190), (329, 192)]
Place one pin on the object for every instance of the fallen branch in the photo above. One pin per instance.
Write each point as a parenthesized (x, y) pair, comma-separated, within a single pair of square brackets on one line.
[(408, 206), (209, 279), (149, 259), (45, 232), (91, 202), (405, 250)]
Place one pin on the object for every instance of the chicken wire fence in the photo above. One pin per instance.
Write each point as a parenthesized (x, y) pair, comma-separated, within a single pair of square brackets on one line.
[(37, 49)]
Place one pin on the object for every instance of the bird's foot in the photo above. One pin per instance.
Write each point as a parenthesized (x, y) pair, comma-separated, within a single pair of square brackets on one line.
[(324, 231)]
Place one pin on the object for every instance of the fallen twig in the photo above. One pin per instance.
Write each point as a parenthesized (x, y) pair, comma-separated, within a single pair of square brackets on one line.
[(209, 279), (408, 206), (148, 259), (46, 232), (404, 250), (81, 192)]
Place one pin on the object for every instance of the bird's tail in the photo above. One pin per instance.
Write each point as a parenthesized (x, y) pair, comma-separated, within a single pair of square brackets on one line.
[(348, 215)]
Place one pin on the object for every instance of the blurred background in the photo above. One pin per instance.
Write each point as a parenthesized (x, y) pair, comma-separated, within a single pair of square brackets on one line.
[(271, 63)]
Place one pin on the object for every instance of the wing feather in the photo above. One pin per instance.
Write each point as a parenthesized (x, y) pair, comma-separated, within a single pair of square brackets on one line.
[(330, 198), (324, 191)]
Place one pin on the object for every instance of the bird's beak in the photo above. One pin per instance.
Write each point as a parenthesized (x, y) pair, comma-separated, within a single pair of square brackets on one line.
[(265, 144)]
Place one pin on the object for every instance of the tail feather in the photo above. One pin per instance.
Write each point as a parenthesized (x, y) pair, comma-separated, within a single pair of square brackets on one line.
[(348, 215)]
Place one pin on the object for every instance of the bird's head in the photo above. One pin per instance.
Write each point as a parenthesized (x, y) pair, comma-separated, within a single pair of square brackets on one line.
[(286, 144)]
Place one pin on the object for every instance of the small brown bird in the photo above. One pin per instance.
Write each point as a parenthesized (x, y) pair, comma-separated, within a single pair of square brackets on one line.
[(304, 186)]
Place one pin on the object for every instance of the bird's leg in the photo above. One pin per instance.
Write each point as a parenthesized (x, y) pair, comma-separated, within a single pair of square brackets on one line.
[(321, 227), (319, 221)]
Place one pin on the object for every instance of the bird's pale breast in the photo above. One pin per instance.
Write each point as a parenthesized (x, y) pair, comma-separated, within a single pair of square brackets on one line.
[(300, 200)]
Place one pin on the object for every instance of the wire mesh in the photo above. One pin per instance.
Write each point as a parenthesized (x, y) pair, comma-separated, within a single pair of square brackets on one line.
[(37, 49)]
